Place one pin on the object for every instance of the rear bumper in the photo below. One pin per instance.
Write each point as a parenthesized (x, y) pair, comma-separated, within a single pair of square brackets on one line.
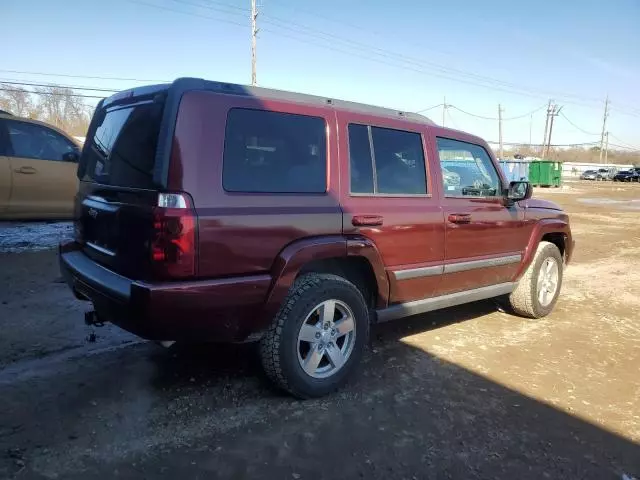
[(226, 310)]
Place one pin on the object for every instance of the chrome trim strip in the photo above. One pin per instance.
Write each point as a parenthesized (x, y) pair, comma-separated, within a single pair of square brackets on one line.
[(455, 267), (419, 272), (436, 303), (474, 264), (100, 249)]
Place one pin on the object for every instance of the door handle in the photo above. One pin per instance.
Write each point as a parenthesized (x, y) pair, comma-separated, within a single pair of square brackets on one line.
[(26, 170), (367, 220), (459, 218)]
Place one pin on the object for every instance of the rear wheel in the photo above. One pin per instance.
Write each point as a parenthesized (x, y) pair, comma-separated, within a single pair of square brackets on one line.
[(538, 289), (318, 337)]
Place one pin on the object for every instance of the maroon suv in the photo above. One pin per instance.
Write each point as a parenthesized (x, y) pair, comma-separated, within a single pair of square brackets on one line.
[(210, 211)]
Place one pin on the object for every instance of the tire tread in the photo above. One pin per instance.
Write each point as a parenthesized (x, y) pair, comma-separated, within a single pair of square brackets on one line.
[(523, 299), (270, 344)]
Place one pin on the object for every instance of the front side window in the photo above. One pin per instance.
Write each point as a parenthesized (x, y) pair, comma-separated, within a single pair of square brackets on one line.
[(273, 152), (467, 170), (28, 140), (386, 161)]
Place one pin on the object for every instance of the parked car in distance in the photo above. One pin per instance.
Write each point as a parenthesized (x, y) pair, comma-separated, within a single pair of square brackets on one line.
[(627, 176), (296, 221), (589, 175), (606, 173), (38, 165)]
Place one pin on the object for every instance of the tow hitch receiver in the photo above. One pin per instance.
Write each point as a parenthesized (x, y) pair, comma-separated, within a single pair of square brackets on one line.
[(91, 318)]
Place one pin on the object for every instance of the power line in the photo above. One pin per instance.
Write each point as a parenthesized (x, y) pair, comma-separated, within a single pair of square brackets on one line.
[(472, 114), (22, 72), (53, 94), (496, 118), (452, 121), (169, 9), (444, 72), (576, 126), (524, 144), (75, 87), (430, 108), (623, 142), (517, 117)]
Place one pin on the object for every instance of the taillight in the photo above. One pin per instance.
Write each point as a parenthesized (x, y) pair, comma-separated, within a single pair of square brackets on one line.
[(173, 247)]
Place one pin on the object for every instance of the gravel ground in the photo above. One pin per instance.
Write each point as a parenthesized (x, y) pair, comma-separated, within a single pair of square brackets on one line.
[(469, 392)]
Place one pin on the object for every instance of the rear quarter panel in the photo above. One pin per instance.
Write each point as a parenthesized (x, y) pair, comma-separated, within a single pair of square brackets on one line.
[(242, 233)]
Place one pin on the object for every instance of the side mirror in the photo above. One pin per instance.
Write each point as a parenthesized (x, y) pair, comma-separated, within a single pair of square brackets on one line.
[(519, 191), (72, 157)]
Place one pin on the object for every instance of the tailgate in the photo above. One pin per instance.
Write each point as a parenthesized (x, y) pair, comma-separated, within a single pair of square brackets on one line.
[(117, 192)]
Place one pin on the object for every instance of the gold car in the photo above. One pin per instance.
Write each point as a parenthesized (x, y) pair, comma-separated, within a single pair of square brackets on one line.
[(38, 165)]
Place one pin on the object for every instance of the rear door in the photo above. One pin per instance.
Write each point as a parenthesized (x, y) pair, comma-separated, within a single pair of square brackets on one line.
[(117, 192), (44, 181), (388, 196)]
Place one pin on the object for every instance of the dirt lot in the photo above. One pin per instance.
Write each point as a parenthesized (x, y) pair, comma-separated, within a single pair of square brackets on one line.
[(464, 393)]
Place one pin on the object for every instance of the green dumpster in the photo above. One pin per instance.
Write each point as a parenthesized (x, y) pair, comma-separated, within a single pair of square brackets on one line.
[(545, 173)]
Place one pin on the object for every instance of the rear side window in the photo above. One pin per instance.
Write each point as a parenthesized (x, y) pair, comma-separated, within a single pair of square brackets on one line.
[(386, 161), (274, 152), (27, 140), (122, 149)]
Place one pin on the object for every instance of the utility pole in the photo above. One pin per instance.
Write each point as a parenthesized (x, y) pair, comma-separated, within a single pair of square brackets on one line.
[(546, 128), (500, 131), (444, 109), (606, 148), (604, 125), (254, 33), (555, 111), (530, 126)]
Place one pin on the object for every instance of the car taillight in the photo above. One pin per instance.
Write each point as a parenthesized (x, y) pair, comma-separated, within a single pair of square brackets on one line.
[(173, 247)]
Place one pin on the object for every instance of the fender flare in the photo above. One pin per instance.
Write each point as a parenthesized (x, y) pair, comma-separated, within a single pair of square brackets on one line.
[(297, 254), (360, 246), (542, 228)]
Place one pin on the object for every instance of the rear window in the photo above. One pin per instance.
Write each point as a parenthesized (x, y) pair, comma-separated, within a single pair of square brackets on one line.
[(274, 152), (122, 150)]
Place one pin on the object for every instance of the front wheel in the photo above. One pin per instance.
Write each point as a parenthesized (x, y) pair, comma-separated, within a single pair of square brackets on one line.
[(538, 289), (318, 337)]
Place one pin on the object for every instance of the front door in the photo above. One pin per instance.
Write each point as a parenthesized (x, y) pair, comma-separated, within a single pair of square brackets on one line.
[(44, 183), (485, 239), (387, 196)]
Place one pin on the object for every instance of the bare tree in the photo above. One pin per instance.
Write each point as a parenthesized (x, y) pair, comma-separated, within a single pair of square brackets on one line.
[(18, 101), (60, 107)]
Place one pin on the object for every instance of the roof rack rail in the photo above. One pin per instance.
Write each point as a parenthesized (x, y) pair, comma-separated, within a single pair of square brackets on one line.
[(6, 113)]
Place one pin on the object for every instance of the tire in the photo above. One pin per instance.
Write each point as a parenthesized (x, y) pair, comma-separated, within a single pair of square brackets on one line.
[(282, 352), (525, 300)]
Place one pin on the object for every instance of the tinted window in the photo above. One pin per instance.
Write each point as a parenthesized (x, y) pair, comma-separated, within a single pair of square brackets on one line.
[(361, 165), (27, 140), (398, 166), (467, 170), (122, 149), (274, 152)]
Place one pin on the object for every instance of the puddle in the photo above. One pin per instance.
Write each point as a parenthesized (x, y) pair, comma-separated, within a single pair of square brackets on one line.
[(633, 204), (18, 237)]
